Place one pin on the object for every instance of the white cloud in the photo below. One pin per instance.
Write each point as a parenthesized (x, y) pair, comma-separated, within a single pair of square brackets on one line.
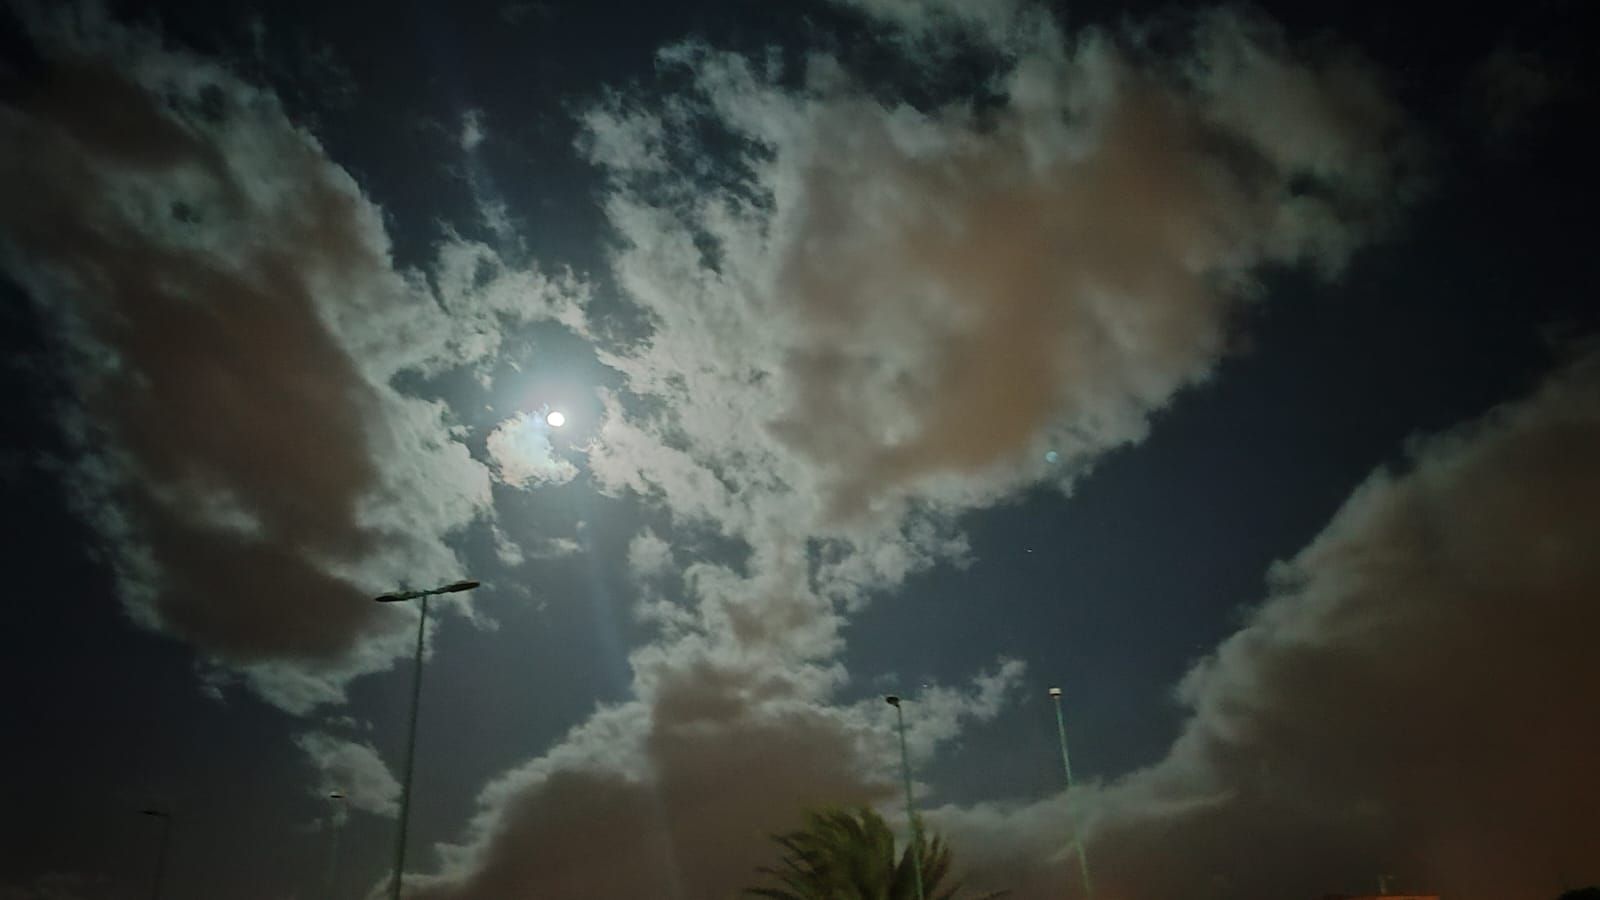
[(648, 555), (902, 306), (353, 769), (224, 299), (555, 548), (865, 321), (885, 315), (1412, 698), (472, 130), (507, 550), (485, 296), (523, 454)]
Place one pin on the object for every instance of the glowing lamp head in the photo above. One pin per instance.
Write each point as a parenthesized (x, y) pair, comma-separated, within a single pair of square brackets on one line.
[(1055, 692), (555, 419)]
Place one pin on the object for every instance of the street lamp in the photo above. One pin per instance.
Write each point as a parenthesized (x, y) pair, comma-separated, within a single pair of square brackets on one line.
[(161, 852), (335, 825), (411, 731), (911, 809), (1066, 763)]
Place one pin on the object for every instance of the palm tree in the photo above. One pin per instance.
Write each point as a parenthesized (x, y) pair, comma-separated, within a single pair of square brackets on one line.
[(850, 855)]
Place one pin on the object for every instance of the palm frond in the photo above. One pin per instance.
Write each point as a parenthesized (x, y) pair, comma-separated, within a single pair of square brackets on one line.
[(842, 854)]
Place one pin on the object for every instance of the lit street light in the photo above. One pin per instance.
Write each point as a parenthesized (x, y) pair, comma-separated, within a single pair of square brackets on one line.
[(1066, 763), (411, 731), (161, 851), (911, 809), (335, 825)]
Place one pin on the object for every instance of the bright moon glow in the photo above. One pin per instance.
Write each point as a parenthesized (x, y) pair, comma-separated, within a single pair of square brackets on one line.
[(555, 419)]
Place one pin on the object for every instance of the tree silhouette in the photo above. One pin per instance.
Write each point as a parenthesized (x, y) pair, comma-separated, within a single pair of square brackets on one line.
[(850, 855)]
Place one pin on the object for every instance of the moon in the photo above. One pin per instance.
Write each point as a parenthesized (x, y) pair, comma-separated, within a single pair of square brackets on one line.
[(555, 419)]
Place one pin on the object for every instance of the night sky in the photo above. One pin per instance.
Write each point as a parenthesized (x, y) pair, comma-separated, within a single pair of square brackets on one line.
[(1235, 369)]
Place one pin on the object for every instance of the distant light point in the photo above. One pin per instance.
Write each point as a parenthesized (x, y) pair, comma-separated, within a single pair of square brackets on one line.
[(555, 419), (1052, 457)]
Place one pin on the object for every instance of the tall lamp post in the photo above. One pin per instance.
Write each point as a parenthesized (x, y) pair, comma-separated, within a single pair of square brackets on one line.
[(1066, 763), (161, 850), (911, 809), (336, 815), (411, 731)]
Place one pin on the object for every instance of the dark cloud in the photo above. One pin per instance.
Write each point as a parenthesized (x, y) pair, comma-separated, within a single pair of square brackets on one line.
[(933, 22), (224, 297), (677, 794), (60, 886), (1511, 88), (230, 403), (719, 775), (1414, 699)]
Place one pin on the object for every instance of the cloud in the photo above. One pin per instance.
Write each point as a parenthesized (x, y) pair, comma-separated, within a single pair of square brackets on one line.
[(1511, 87), (933, 23), (224, 299), (485, 296), (649, 556), (506, 550), (875, 305), (1413, 698), (694, 825), (353, 769), (865, 319), (472, 130), (523, 455), (59, 886), (677, 795), (555, 548)]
